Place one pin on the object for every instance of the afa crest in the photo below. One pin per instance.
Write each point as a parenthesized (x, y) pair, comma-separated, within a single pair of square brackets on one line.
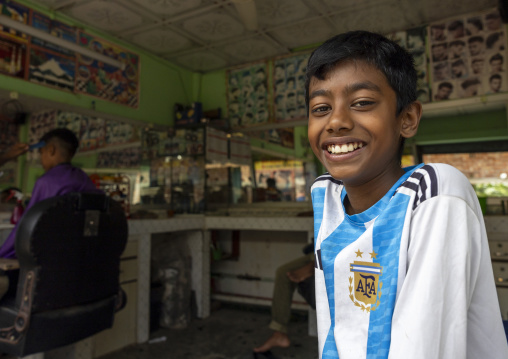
[(364, 285)]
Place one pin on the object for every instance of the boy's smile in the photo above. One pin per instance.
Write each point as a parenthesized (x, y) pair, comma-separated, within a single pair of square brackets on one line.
[(353, 127)]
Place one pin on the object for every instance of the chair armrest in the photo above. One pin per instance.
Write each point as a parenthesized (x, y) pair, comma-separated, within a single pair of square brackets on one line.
[(8, 264)]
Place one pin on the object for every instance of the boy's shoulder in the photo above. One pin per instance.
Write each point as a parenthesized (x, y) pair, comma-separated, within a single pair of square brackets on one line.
[(425, 182), (438, 179)]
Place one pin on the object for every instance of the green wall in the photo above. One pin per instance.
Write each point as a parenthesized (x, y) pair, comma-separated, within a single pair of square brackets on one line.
[(481, 126)]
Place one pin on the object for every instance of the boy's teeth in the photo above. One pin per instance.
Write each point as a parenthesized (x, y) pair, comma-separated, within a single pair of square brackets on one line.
[(345, 148)]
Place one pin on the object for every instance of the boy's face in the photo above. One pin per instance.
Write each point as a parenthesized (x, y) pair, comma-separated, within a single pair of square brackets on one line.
[(495, 84), (497, 65), (478, 66), (355, 107), (457, 49), (46, 156), (475, 48)]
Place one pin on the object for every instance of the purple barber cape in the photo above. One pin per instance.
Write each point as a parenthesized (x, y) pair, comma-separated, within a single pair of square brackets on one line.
[(61, 179)]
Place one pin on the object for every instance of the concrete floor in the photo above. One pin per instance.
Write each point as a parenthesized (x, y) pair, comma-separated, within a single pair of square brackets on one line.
[(230, 332)]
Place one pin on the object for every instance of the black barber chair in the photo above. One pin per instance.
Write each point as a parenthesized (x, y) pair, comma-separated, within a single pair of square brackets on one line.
[(69, 250)]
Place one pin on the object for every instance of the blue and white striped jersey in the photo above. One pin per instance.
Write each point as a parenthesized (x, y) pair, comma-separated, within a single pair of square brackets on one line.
[(408, 278)]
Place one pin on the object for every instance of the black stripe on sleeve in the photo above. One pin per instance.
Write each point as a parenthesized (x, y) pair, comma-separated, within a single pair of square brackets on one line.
[(433, 180), (319, 264)]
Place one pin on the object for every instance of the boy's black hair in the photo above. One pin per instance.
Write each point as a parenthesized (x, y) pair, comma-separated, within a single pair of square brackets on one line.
[(445, 84), (66, 139), (470, 82), (476, 21), (458, 63), (492, 38), (455, 25), (495, 76), (387, 56), (475, 39), (457, 42), (496, 57)]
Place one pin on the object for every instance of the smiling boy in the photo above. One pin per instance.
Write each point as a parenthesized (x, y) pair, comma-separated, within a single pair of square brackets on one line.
[(402, 260)]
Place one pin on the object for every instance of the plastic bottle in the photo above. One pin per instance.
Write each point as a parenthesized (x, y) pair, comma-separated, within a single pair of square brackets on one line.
[(18, 209)]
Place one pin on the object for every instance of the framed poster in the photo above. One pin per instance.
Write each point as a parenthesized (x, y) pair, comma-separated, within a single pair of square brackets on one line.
[(247, 95), (50, 69), (39, 123), (118, 133), (55, 28), (15, 12), (289, 87), (126, 158), (92, 133), (468, 56), (106, 81), (414, 41), (12, 58)]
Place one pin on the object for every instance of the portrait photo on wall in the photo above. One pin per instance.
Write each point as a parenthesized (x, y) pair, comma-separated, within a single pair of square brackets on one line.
[(92, 134), (126, 158), (118, 133), (414, 41), (50, 69), (16, 12), (107, 81), (247, 95), (56, 28), (12, 58), (38, 124), (289, 87), (468, 56)]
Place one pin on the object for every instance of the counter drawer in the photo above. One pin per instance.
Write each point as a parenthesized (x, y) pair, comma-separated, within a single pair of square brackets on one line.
[(502, 295), (498, 249), (500, 273)]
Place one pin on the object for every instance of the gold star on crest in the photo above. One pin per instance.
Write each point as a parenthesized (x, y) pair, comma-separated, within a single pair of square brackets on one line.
[(373, 254), (359, 254)]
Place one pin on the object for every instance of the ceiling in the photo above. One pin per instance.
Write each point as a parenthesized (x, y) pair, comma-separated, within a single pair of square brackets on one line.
[(205, 35)]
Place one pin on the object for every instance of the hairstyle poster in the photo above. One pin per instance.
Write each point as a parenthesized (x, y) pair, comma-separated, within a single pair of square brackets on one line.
[(70, 121), (247, 95), (414, 41), (107, 81), (468, 56), (55, 28), (12, 58), (39, 123), (118, 133), (47, 68), (16, 12), (125, 158), (289, 87), (93, 133)]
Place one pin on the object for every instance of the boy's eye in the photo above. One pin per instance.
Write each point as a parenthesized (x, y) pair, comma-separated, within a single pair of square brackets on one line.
[(363, 103), (320, 109)]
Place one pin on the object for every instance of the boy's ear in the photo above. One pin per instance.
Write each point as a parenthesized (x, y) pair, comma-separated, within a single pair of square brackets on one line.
[(411, 119), (51, 148)]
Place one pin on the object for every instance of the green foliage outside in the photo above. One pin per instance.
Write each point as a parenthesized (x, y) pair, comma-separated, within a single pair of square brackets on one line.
[(491, 189)]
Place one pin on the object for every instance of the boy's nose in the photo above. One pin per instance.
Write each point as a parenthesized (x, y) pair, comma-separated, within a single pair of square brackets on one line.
[(339, 121)]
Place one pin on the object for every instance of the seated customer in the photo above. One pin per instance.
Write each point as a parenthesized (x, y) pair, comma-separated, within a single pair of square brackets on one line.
[(287, 279), (60, 177)]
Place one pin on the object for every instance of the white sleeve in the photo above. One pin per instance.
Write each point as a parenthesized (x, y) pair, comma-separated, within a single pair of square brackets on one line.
[(444, 264)]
